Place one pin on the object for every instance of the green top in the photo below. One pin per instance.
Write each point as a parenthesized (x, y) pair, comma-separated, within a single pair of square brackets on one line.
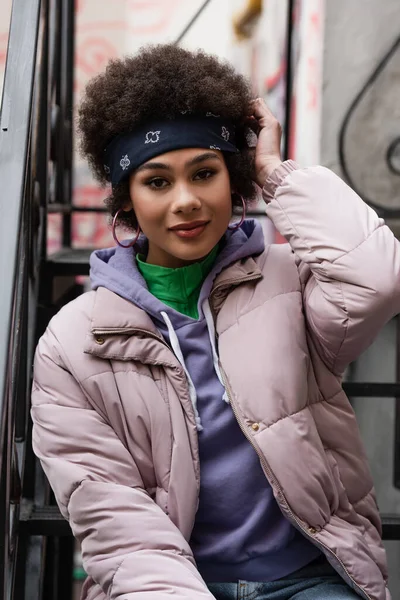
[(178, 288)]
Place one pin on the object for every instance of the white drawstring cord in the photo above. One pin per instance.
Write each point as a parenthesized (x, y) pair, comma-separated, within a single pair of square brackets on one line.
[(211, 333), (173, 338)]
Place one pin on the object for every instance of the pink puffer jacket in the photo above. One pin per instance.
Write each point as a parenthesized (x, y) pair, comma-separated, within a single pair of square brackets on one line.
[(114, 426)]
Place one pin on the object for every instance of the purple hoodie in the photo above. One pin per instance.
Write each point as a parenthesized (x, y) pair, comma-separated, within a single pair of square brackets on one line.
[(239, 532)]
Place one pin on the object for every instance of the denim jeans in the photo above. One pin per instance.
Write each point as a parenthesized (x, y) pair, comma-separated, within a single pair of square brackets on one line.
[(318, 581)]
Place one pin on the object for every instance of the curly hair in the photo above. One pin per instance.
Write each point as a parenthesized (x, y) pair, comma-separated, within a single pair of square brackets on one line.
[(164, 80)]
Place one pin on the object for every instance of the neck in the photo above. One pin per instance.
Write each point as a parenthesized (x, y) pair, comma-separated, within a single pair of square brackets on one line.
[(170, 262), (179, 288)]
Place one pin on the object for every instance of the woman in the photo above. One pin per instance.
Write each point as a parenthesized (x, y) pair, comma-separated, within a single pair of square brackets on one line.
[(188, 411)]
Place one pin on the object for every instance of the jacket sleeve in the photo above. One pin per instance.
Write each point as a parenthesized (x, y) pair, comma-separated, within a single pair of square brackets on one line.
[(348, 259), (130, 547)]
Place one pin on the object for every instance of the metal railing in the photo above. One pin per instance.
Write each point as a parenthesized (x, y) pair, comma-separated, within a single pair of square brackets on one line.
[(17, 271), (35, 171)]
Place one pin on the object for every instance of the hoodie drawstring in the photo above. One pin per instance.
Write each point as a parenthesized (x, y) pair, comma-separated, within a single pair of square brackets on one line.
[(212, 336), (178, 353)]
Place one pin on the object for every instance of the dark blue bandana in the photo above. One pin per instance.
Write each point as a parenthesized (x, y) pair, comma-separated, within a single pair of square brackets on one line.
[(128, 151)]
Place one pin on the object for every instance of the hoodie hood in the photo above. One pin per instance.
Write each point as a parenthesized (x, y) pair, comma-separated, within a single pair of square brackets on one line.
[(116, 270)]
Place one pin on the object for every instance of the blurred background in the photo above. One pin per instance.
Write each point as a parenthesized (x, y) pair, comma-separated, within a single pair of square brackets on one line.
[(250, 34), (330, 71)]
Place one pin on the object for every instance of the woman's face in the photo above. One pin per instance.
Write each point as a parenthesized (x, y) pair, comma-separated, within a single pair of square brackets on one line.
[(182, 201)]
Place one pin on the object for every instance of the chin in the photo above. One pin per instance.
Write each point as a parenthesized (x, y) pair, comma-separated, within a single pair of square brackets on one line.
[(193, 254)]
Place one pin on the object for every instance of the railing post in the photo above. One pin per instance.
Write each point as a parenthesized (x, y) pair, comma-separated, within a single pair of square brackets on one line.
[(15, 131), (396, 449)]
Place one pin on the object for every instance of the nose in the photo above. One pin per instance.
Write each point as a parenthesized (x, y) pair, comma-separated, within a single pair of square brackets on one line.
[(185, 199)]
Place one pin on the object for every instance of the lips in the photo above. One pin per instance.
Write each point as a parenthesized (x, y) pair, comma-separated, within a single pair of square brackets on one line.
[(189, 230), (189, 226)]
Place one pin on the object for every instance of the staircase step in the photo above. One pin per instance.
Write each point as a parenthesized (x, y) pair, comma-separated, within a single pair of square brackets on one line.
[(70, 261), (42, 520), (48, 521), (372, 390), (391, 527)]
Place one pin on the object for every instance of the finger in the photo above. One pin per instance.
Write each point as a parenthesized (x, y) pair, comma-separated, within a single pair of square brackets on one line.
[(261, 110)]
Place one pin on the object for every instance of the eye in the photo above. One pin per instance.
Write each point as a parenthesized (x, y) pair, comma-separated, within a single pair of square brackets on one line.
[(157, 183), (204, 174)]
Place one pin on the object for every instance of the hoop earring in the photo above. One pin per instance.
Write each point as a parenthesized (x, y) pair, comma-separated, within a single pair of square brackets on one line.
[(237, 225), (114, 223)]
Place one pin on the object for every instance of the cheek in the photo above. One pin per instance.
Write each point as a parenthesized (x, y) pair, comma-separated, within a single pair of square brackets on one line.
[(225, 198), (221, 189), (147, 208), (224, 206)]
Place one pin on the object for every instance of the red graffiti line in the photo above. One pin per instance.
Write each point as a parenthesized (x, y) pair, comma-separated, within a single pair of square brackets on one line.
[(131, 28), (272, 80), (3, 48), (315, 22)]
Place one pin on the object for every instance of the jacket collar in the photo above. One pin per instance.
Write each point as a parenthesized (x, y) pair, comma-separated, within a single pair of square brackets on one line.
[(237, 273), (234, 275), (115, 321), (112, 314)]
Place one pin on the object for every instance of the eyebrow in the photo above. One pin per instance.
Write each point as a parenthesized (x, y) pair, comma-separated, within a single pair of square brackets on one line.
[(149, 166)]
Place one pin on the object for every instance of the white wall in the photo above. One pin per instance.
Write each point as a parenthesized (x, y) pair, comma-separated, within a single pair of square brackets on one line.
[(5, 14), (213, 30)]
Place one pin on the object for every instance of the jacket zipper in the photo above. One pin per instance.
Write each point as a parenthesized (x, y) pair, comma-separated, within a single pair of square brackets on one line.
[(271, 478)]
